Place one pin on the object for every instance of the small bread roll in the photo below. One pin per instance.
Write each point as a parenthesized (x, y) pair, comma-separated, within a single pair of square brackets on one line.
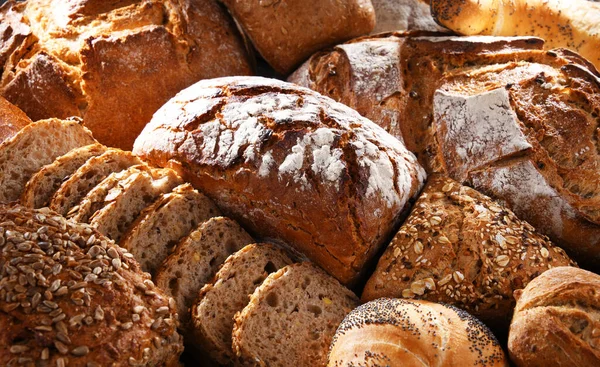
[(557, 320), (398, 332)]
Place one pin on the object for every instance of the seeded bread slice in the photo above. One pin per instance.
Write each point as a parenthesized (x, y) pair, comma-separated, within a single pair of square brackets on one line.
[(217, 304), (36, 145), (196, 260), (126, 200), (291, 318), (163, 224), (96, 169), (40, 188)]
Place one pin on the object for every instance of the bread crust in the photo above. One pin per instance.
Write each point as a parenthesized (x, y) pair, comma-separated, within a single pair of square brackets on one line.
[(12, 120)]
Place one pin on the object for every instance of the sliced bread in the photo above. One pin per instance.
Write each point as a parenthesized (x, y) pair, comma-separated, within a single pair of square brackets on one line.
[(291, 318), (228, 294), (196, 260), (126, 200), (40, 188), (33, 147), (96, 169), (163, 224)]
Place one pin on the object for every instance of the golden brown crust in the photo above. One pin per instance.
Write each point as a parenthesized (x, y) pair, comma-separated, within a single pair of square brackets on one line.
[(12, 120)]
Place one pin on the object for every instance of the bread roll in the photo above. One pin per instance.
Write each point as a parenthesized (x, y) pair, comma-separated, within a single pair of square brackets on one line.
[(288, 163), (12, 119), (113, 63), (401, 333), (399, 15), (71, 297), (556, 321)]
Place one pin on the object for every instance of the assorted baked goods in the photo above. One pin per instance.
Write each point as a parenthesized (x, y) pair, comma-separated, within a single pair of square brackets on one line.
[(396, 332), (556, 321)]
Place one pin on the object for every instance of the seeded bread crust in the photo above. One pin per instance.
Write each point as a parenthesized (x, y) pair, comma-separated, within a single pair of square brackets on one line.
[(301, 305), (462, 248), (41, 187), (84, 301), (229, 293), (33, 147)]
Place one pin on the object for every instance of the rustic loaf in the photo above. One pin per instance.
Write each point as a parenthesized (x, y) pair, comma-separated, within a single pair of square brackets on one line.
[(288, 163), (460, 247), (70, 297), (407, 333), (557, 320), (112, 63), (12, 119), (403, 15)]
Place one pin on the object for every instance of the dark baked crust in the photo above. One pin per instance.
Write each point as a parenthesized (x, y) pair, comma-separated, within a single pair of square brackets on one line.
[(288, 163)]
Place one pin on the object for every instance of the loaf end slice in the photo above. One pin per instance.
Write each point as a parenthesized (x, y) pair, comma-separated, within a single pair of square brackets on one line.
[(196, 260), (228, 294), (291, 318)]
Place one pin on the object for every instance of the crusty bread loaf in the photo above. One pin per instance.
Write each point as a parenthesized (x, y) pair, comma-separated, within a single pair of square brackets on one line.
[(288, 163), (195, 261), (556, 320), (460, 247), (112, 63), (96, 169), (34, 146), (291, 318), (71, 297), (41, 186), (12, 119), (397, 332), (403, 15), (287, 32), (229, 293)]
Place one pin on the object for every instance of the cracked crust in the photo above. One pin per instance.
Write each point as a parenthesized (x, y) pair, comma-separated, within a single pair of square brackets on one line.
[(286, 162)]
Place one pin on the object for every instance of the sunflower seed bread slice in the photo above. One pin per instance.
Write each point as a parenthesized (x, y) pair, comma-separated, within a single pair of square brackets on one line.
[(126, 200), (228, 294), (163, 224), (42, 185), (96, 169), (196, 260), (33, 147), (291, 318)]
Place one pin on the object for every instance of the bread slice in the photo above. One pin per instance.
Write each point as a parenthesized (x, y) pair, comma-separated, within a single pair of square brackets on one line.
[(40, 188), (163, 224), (229, 293), (291, 318), (96, 169), (36, 145), (196, 260), (126, 200)]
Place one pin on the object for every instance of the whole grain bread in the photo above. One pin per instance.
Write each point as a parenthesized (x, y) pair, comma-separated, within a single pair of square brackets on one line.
[(12, 119), (195, 261), (460, 247), (288, 163), (34, 146), (291, 318), (219, 301), (41, 186)]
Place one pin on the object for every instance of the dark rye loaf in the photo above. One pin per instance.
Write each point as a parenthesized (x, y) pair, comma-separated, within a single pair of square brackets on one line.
[(288, 163)]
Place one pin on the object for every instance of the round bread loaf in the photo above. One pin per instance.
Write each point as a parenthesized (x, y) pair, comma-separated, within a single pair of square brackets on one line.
[(401, 333), (288, 163), (70, 297), (557, 320)]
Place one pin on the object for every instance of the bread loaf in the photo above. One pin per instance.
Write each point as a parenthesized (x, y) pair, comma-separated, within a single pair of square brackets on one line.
[(70, 297), (460, 247), (287, 32), (288, 163), (556, 321), (402, 15), (396, 332), (112, 63), (12, 119)]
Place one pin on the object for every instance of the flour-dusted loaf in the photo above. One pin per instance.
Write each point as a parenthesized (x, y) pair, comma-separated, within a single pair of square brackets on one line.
[(287, 32), (406, 333), (113, 63), (228, 294), (34, 146), (403, 15), (12, 119), (460, 247), (41, 186), (288, 163), (291, 318), (71, 297)]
